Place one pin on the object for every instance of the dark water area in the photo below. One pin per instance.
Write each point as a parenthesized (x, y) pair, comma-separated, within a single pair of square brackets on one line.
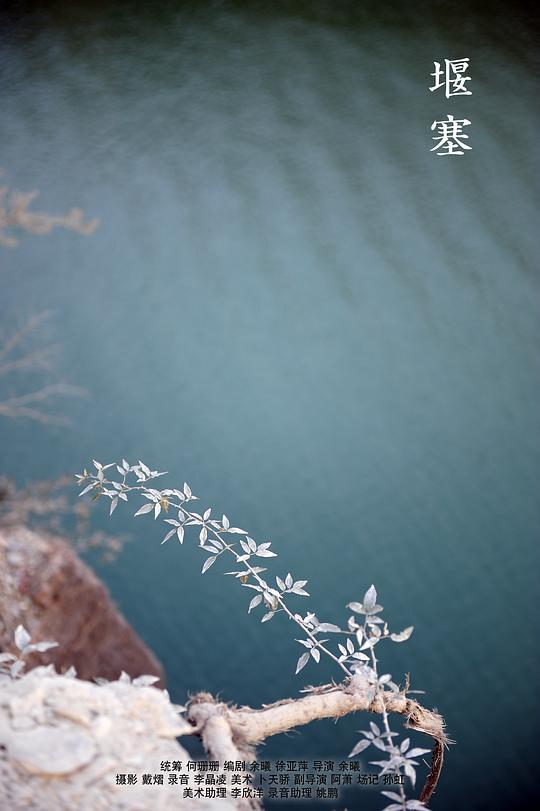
[(330, 332)]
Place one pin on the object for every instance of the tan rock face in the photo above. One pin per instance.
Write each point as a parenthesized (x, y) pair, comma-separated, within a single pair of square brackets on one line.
[(63, 741), (47, 588)]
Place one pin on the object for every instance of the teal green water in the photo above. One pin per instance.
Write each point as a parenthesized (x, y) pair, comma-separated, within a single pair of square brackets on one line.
[(329, 331)]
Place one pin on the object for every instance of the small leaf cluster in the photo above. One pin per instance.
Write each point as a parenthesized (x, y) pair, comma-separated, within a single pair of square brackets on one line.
[(13, 665)]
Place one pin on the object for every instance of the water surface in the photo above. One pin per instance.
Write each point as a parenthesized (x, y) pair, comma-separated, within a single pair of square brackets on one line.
[(330, 332)]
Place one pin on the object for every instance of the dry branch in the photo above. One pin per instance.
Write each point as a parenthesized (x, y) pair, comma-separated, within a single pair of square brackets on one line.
[(15, 213), (230, 733), (15, 359), (27, 405)]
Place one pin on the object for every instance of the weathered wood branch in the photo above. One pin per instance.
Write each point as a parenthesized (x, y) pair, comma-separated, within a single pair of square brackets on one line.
[(231, 733)]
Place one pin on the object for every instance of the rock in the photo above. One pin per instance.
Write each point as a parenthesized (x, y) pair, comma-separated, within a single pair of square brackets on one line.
[(52, 752), (63, 741), (46, 587)]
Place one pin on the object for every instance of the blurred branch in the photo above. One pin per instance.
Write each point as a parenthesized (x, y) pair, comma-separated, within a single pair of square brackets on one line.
[(43, 500), (47, 505), (38, 359), (14, 359), (15, 213), (26, 405)]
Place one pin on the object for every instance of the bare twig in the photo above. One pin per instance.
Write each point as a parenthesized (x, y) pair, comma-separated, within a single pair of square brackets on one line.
[(6, 351), (14, 359), (26, 404), (15, 213), (46, 505)]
